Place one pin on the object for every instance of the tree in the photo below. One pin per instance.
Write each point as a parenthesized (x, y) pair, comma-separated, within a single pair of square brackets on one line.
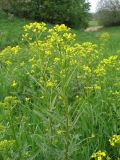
[(74, 13), (109, 12)]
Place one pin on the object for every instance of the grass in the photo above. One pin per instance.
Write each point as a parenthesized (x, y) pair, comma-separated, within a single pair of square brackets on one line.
[(10, 30), (54, 106)]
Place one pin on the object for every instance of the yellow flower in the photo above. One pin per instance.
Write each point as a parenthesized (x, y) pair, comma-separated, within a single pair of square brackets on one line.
[(97, 88), (61, 28), (56, 60), (73, 62), (115, 140), (14, 84), (99, 158), (48, 53), (15, 50), (69, 36), (33, 66), (100, 71), (100, 155), (109, 61), (87, 70), (8, 62), (49, 84), (35, 27)]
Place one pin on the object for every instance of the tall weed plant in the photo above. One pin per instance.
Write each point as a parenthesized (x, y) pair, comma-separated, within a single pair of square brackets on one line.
[(59, 99)]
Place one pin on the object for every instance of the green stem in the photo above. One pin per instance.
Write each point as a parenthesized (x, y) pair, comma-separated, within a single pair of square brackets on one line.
[(14, 134), (66, 128), (66, 154), (50, 119)]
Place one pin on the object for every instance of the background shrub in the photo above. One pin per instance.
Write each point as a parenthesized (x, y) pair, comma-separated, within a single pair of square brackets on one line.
[(73, 13), (109, 12), (5, 5)]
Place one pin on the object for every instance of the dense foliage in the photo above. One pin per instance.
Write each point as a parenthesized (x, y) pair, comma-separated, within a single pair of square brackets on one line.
[(59, 99), (73, 13), (108, 12)]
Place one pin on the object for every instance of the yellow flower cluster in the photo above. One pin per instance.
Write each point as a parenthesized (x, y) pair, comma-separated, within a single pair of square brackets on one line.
[(87, 70), (9, 54), (93, 88), (14, 84), (10, 50), (115, 140), (100, 71), (35, 27), (8, 62), (100, 155), (49, 84), (61, 28), (6, 144), (110, 60)]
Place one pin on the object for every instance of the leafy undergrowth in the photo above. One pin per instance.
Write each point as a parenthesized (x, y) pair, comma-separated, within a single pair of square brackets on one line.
[(59, 99)]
